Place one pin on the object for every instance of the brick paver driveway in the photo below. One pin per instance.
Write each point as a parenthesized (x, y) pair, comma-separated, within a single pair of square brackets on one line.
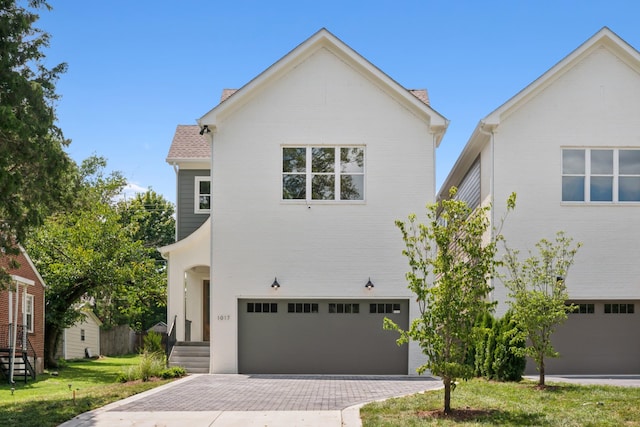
[(277, 392)]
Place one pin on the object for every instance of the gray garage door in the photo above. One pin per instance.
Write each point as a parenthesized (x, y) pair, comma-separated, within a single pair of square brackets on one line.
[(603, 337), (320, 337)]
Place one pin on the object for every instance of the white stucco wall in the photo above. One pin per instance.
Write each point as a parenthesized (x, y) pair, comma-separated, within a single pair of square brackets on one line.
[(321, 250), (596, 104), (187, 261)]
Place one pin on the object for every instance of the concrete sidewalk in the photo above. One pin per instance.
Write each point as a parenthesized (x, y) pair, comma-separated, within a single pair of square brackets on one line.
[(254, 400)]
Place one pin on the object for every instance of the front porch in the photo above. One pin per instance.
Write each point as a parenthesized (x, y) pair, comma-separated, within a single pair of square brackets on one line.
[(17, 355)]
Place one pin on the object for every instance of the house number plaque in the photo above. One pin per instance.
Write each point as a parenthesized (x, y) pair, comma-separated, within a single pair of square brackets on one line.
[(224, 317)]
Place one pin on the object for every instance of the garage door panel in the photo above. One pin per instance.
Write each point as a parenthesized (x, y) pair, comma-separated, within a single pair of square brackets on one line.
[(321, 342), (596, 343)]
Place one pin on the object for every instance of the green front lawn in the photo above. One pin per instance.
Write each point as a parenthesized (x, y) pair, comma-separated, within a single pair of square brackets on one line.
[(49, 400), (482, 403)]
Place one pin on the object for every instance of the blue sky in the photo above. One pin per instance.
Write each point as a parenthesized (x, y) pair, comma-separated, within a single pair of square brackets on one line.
[(139, 68)]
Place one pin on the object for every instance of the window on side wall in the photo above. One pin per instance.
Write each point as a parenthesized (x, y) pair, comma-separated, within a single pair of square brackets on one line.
[(28, 310), (600, 175), (202, 195), (323, 173)]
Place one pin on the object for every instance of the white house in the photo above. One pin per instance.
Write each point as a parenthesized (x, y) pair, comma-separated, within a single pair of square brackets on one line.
[(569, 146), (303, 172)]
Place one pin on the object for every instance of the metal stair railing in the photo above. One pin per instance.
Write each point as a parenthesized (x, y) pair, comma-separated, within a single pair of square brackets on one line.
[(24, 348), (171, 338)]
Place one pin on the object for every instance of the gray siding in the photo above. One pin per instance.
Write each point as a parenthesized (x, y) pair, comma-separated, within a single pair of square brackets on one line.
[(469, 188), (187, 220)]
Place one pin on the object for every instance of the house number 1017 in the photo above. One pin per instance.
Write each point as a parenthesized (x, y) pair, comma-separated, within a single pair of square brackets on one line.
[(224, 317)]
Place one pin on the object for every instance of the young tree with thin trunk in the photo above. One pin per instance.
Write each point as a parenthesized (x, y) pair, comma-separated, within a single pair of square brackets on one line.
[(539, 295), (451, 264)]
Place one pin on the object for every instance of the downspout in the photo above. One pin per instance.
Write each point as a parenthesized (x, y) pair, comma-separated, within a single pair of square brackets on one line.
[(437, 133), (491, 135)]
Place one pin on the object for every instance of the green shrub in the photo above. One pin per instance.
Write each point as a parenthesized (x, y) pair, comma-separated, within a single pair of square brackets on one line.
[(150, 365), (173, 372), (506, 365), (130, 373), (483, 329), (490, 348), (152, 343)]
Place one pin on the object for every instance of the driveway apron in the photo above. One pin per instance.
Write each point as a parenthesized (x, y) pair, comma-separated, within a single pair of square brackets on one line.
[(278, 392), (254, 400)]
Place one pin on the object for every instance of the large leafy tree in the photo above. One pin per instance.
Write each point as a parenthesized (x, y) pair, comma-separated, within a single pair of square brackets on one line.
[(87, 253), (151, 218), (450, 263), (35, 172), (539, 295), (148, 218)]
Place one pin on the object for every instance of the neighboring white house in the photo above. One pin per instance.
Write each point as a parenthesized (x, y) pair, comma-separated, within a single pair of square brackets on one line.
[(82, 339), (304, 171), (569, 146)]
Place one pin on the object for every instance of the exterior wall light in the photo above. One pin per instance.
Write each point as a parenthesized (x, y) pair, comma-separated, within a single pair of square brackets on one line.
[(275, 285), (369, 284)]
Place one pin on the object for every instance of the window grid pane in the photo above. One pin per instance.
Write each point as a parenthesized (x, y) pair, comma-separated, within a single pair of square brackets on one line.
[(601, 175), (202, 194), (323, 173)]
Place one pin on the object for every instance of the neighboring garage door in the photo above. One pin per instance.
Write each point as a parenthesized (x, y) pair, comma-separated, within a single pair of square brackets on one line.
[(600, 338), (321, 337)]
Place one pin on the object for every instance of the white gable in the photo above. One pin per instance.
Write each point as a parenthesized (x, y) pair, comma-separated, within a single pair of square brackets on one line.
[(324, 41)]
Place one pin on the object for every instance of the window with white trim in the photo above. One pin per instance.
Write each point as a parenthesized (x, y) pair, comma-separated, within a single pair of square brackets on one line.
[(28, 310), (202, 195), (334, 173), (600, 175)]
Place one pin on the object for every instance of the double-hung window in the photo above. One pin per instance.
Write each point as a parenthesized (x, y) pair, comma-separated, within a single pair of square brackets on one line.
[(600, 175), (202, 194), (334, 173), (28, 311)]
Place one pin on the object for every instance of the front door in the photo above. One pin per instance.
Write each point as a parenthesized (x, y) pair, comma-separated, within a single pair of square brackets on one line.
[(205, 310)]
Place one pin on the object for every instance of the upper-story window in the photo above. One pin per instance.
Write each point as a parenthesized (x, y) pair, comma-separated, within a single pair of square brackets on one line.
[(600, 175), (202, 195), (323, 173)]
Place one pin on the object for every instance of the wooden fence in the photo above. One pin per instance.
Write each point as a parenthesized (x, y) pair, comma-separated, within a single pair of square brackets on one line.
[(121, 340), (118, 341)]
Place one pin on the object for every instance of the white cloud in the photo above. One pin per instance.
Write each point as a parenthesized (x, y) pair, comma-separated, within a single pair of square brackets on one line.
[(130, 190)]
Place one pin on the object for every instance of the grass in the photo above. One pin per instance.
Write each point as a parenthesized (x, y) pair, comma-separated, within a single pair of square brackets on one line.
[(49, 400), (483, 403)]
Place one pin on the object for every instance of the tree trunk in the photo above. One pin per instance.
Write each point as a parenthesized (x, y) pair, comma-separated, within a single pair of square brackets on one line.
[(541, 371), (52, 334), (447, 395)]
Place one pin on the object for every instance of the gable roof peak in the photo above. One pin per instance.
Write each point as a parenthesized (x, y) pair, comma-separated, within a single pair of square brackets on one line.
[(323, 38), (603, 37)]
